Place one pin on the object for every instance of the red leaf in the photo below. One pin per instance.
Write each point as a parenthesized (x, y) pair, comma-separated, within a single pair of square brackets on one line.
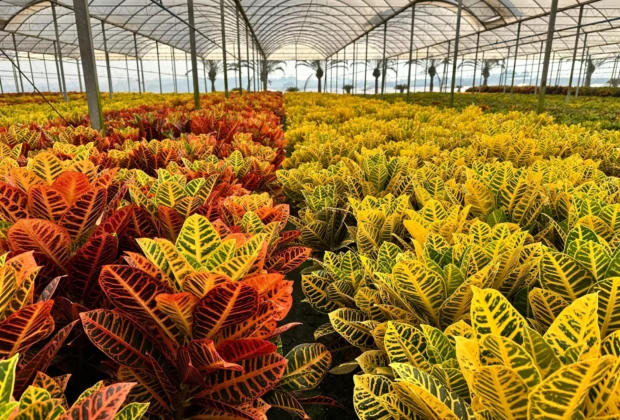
[(205, 357), (245, 348), (71, 185), (13, 203), (225, 305), (25, 327), (82, 216), (103, 404), (45, 238)]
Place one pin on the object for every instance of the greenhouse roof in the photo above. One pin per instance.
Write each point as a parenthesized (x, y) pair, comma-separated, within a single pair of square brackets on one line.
[(313, 29)]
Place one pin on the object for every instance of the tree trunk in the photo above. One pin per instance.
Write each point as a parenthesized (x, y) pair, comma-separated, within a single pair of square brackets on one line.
[(264, 84), (319, 79), (212, 85), (432, 84), (589, 78), (376, 85), (486, 81)]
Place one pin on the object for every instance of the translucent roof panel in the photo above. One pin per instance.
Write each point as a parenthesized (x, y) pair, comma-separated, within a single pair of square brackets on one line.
[(313, 29)]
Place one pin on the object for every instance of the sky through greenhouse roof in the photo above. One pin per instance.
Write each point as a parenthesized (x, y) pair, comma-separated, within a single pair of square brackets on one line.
[(314, 29)]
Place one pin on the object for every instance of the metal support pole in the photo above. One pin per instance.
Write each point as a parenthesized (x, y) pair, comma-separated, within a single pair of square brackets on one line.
[(514, 66), (344, 68), (57, 61), (193, 53), (107, 59), (32, 74), (354, 63), (47, 79), (572, 67), (142, 75), (21, 81), (532, 68), (337, 65), (239, 50), (583, 56), (127, 68), (135, 46), (63, 86), (559, 73), (204, 74), (247, 54), (254, 65), (473, 88), (79, 74), (87, 53), (543, 81), (384, 62), (187, 72), (456, 51), (415, 73), (1, 87), (411, 34), (481, 75), (445, 67), (223, 29), (366, 65), (540, 59), (159, 67), (174, 71), (428, 50), (505, 77), (525, 68)]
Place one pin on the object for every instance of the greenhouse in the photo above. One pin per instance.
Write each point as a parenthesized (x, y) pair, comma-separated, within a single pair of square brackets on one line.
[(315, 209)]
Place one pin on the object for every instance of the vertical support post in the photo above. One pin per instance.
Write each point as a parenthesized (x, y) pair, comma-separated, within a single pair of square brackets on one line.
[(158, 67), (545, 73), (532, 68), (481, 75), (540, 59), (583, 56), (239, 50), (384, 62), (87, 53), (415, 73), (504, 80), (456, 51), (47, 79), (187, 72), (525, 68), (473, 88), (127, 69), (1, 87), (255, 65), (428, 50), (32, 74), (445, 67), (107, 59), (411, 34), (247, 54), (204, 74), (337, 65), (57, 61), (174, 70), (135, 47), (572, 67), (344, 67), (79, 74), (354, 77), (514, 66), (366, 65), (63, 87), (142, 75), (21, 80), (223, 29)]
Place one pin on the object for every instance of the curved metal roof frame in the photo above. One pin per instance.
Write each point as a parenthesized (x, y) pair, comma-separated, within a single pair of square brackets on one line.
[(300, 29)]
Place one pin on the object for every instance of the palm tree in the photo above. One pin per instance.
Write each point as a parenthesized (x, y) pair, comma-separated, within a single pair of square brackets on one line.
[(265, 68), (213, 68), (486, 65), (430, 67), (377, 69), (592, 66), (316, 66)]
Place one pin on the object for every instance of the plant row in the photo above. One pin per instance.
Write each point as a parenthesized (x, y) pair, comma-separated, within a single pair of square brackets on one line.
[(144, 267), (472, 259)]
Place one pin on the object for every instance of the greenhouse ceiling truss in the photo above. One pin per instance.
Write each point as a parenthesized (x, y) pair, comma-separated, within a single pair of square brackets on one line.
[(325, 30)]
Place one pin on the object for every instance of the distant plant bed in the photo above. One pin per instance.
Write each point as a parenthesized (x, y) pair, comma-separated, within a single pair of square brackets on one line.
[(551, 90)]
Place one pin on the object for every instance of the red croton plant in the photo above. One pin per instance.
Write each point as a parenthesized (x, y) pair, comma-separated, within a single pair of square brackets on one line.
[(157, 266)]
